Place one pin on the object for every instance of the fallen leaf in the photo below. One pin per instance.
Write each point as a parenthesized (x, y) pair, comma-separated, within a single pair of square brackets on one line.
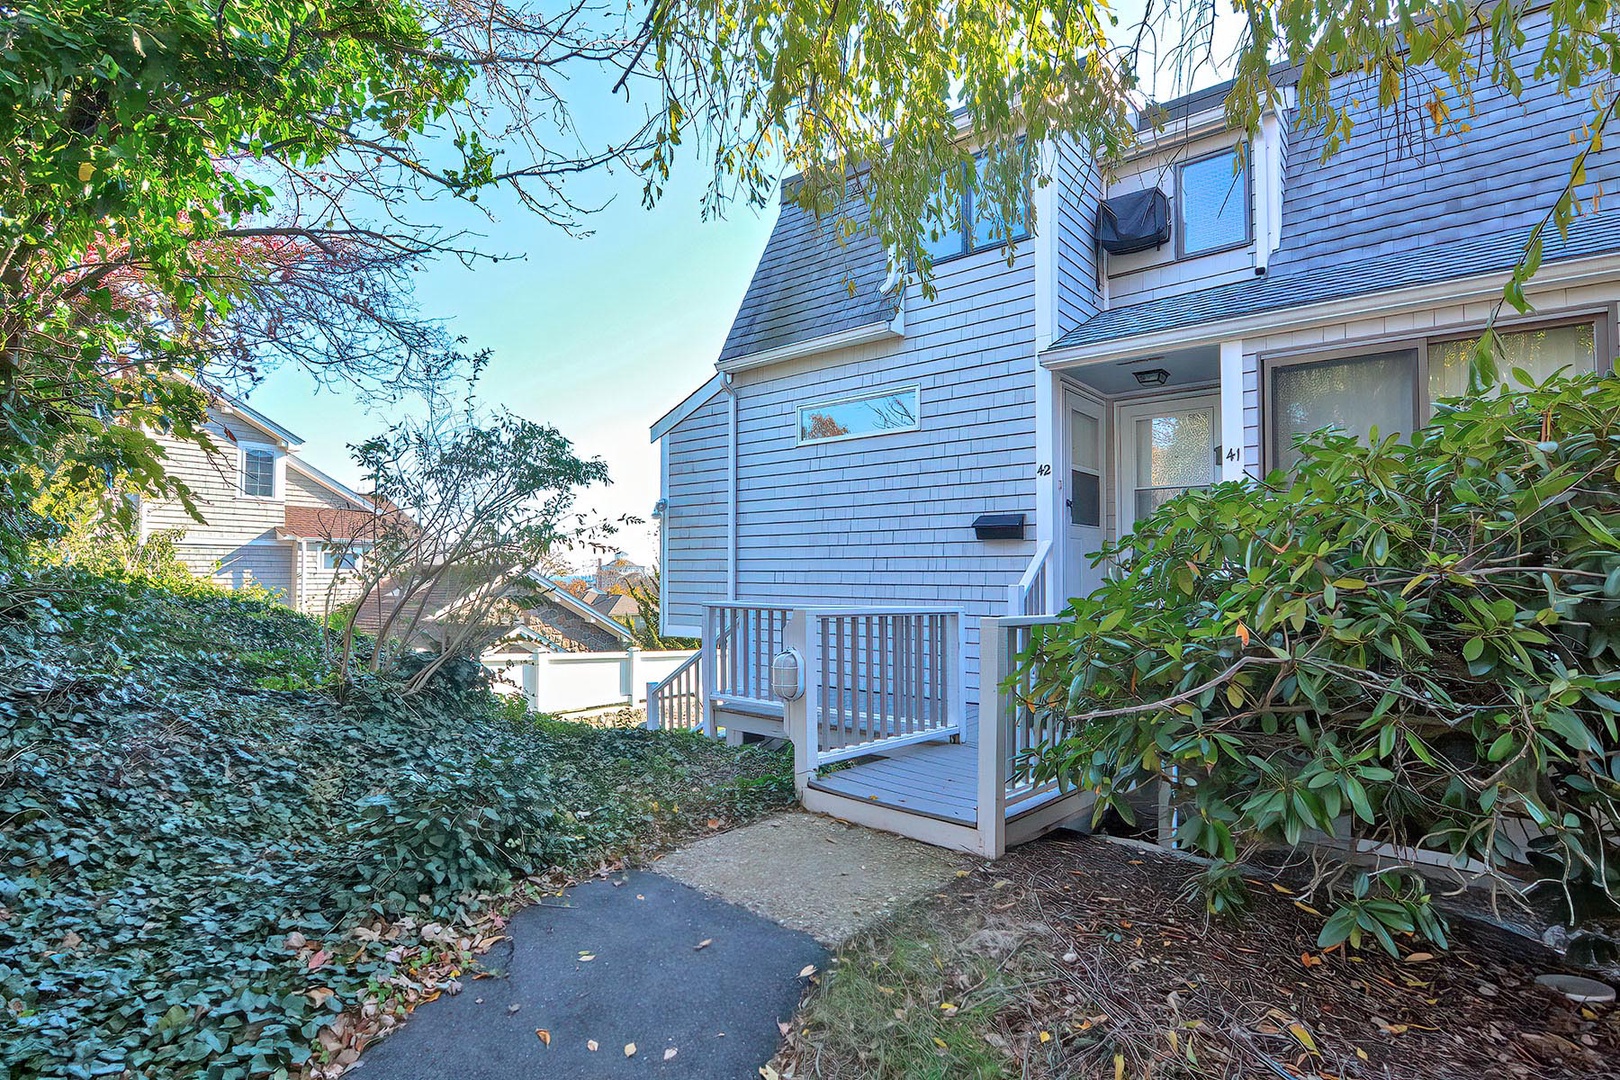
[(586, 957), (1307, 909), (784, 1027), (512, 1009), (808, 970), (939, 1042), (1301, 1036), (704, 944), (1418, 957), (543, 1035), (1119, 1067), (1046, 1036), (769, 1073), (629, 1049), (669, 1053), (318, 959), (1307, 960), (714, 823), (592, 1045)]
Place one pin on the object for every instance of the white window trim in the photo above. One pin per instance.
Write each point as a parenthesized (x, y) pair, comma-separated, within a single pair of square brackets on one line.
[(851, 399), (333, 548), (1244, 199), (278, 483)]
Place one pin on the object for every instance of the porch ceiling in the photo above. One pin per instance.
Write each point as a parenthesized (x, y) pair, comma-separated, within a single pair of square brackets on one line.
[(1188, 367)]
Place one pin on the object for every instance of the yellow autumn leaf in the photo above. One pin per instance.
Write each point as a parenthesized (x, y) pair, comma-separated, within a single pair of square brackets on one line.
[(543, 1035), (1119, 1067)]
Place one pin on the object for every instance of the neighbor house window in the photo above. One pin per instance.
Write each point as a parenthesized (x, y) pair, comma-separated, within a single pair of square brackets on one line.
[(1538, 353), (877, 413), (259, 473), (971, 224), (1355, 394), (342, 556), (1212, 204)]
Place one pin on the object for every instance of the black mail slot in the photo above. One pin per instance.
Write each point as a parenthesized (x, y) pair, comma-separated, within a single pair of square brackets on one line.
[(999, 526)]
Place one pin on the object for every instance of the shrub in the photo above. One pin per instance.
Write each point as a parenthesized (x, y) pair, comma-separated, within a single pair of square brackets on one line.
[(1405, 642)]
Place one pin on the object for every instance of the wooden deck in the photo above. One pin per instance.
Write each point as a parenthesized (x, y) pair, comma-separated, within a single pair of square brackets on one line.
[(938, 780)]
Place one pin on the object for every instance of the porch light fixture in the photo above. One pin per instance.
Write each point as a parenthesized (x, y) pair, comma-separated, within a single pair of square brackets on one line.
[(1156, 376), (787, 675)]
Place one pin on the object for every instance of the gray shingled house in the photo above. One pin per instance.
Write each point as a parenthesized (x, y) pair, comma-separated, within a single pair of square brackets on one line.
[(894, 487)]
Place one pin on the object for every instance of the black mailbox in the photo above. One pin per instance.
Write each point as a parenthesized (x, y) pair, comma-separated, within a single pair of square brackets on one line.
[(999, 526)]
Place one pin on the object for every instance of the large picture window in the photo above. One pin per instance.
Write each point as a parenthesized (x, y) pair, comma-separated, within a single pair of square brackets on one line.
[(259, 473), (1212, 204), (1539, 353), (968, 227), (1356, 394), (879, 412)]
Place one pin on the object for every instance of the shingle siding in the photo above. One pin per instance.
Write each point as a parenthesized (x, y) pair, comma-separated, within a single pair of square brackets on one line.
[(696, 508), (1388, 211), (812, 281), (1075, 294), (888, 519)]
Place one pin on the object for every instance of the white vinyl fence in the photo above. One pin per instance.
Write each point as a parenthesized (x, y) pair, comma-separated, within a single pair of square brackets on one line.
[(570, 682)]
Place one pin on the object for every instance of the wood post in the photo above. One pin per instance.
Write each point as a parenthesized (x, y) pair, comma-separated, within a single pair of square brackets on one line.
[(799, 717), (710, 645), (995, 706), (652, 706)]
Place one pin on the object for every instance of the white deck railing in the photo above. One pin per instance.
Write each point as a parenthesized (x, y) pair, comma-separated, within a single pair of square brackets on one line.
[(739, 642), (874, 679), (1009, 730), (676, 700), (1029, 596)]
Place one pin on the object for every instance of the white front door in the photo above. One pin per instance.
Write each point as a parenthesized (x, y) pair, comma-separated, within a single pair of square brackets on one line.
[(1166, 446), (1082, 493)]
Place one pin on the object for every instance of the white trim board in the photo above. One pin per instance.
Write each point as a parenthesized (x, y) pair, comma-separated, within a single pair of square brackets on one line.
[(1597, 269), (688, 405), (856, 335)]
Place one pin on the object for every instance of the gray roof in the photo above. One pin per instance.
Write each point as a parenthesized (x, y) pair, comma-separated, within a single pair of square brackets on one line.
[(811, 282), (1591, 234)]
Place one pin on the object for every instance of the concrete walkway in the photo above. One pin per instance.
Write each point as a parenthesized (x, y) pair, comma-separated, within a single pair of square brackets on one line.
[(647, 983)]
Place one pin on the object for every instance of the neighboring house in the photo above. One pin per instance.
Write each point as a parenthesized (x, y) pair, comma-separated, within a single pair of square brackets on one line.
[(270, 518), (881, 455)]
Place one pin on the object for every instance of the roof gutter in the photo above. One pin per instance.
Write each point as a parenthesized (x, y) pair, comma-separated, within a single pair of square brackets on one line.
[(1478, 287), (843, 339)]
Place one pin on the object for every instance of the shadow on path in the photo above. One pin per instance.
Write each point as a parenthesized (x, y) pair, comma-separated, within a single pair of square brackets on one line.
[(718, 1006)]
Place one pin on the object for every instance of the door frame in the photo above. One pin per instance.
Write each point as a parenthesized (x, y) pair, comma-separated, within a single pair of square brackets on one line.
[(1125, 413), (1062, 466)]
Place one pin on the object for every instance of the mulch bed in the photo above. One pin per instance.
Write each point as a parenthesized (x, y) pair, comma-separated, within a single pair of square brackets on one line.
[(1146, 985)]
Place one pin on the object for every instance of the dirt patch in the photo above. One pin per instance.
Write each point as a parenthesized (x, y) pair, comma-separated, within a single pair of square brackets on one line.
[(812, 873), (1116, 974)]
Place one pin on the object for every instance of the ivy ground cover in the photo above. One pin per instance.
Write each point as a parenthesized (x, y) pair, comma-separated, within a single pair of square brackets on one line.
[(201, 869)]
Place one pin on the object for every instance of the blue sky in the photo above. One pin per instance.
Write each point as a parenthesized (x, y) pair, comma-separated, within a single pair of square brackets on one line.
[(597, 336)]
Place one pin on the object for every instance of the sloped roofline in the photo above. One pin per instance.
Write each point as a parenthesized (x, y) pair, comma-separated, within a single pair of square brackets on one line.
[(568, 600), (337, 487), (690, 404), (230, 405)]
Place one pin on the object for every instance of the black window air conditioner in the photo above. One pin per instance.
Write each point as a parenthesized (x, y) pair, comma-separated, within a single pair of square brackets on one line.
[(1134, 222)]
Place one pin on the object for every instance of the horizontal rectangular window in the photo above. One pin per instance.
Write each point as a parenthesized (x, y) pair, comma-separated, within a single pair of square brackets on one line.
[(880, 412), (259, 473), (342, 556), (1538, 353), (1212, 201), (1355, 395)]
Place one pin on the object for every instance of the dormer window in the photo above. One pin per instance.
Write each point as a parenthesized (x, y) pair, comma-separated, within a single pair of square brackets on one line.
[(969, 225), (1213, 204), (258, 472)]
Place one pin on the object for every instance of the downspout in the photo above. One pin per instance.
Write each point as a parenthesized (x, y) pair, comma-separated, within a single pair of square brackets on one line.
[(731, 489)]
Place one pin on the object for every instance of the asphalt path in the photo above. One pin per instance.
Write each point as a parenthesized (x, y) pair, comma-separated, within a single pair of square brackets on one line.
[(613, 963)]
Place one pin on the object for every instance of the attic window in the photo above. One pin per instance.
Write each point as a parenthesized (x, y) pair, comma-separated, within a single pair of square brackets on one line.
[(969, 227), (1213, 204), (258, 473), (880, 412)]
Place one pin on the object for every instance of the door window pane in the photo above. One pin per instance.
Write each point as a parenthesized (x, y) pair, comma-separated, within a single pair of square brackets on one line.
[(1213, 199), (1354, 395), (1175, 451), (1084, 432), (1539, 352)]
